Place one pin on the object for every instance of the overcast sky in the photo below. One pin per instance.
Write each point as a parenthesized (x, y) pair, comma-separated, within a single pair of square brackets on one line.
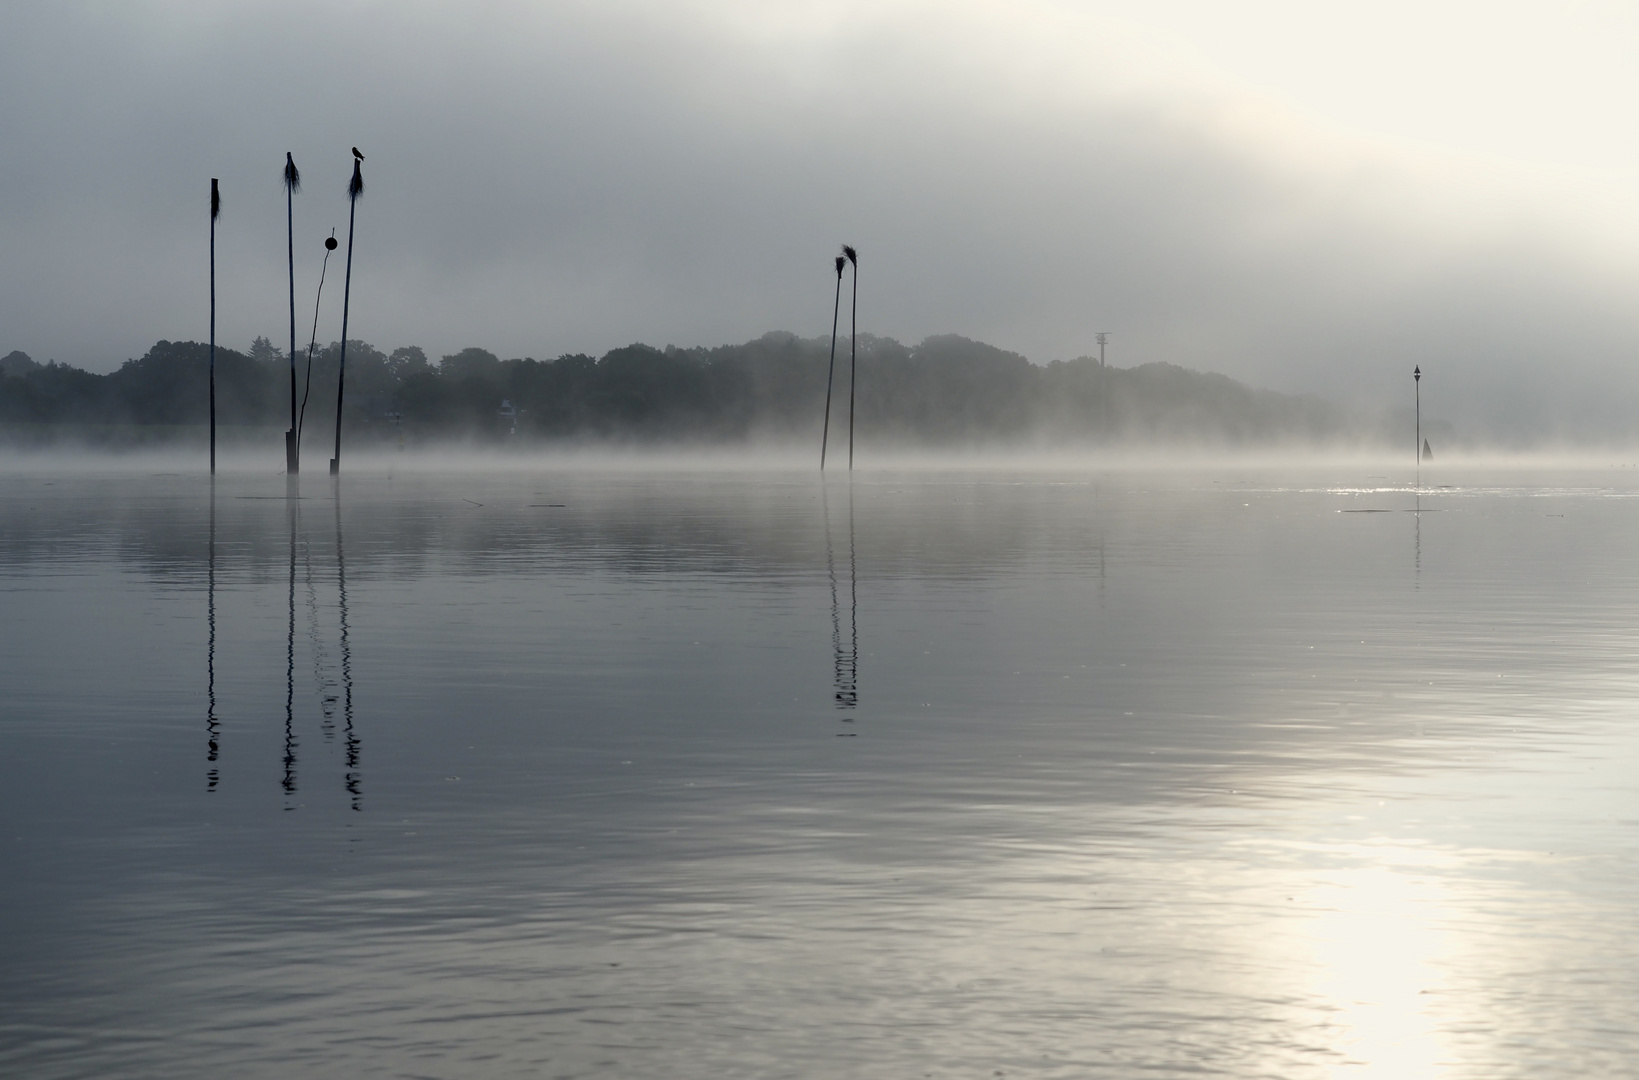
[(1307, 196)]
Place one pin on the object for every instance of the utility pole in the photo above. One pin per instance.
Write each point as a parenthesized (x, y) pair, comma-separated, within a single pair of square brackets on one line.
[(1103, 383)]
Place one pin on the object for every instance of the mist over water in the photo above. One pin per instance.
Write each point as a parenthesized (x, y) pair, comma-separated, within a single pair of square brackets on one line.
[(1156, 718), (790, 458), (1016, 766), (1166, 716), (1027, 174)]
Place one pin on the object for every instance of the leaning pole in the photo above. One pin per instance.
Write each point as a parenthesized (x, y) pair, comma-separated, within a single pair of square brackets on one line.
[(355, 188)]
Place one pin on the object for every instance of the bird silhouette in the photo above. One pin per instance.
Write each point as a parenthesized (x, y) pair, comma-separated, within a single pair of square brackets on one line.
[(357, 154)]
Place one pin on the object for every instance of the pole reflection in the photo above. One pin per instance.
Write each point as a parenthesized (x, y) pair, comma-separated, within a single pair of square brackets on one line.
[(844, 653), (350, 737), (334, 693), (213, 727), (293, 511), (316, 650)]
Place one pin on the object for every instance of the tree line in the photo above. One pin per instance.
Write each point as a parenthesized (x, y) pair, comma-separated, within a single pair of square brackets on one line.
[(945, 391)]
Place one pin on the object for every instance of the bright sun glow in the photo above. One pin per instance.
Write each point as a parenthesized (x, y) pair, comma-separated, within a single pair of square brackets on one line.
[(1378, 947)]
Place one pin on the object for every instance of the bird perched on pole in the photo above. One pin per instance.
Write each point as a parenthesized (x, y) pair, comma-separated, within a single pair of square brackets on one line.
[(293, 184), (830, 372), (355, 188), (853, 349)]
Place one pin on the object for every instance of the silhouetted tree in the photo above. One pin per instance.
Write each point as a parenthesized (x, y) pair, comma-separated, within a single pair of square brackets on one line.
[(946, 391), (264, 352), (407, 360), (17, 362)]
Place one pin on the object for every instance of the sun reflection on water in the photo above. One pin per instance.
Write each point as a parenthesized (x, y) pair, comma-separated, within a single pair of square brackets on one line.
[(1379, 942)]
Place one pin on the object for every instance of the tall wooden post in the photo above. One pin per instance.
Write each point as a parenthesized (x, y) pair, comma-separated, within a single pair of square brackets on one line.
[(355, 188), (216, 209)]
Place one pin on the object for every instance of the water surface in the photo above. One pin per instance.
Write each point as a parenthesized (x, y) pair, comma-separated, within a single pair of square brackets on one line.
[(614, 773)]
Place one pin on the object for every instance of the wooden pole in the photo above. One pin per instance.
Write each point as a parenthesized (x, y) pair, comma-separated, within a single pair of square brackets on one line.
[(853, 353), (1417, 383), (292, 182), (354, 189), (1103, 385), (830, 372), (216, 209)]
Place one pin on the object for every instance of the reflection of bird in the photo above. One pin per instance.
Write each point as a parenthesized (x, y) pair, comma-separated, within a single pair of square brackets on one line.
[(357, 154)]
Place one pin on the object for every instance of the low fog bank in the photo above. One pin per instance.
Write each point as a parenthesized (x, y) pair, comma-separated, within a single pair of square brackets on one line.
[(259, 456), (946, 395), (1024, 173), (951, 524)]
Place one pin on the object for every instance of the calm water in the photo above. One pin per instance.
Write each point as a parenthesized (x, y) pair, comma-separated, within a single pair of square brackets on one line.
[(713, 775)]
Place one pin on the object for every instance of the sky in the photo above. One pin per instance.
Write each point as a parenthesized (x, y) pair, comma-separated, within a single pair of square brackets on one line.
[(1309, 197)]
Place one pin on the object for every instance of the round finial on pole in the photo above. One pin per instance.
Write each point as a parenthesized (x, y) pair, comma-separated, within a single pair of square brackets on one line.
[(1417, 389)]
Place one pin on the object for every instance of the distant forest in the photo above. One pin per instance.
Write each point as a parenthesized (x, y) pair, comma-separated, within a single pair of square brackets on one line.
[(945, 391)]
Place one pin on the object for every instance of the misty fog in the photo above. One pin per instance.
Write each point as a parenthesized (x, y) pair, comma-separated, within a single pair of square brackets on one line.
[(946, 393), (571, 179)]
